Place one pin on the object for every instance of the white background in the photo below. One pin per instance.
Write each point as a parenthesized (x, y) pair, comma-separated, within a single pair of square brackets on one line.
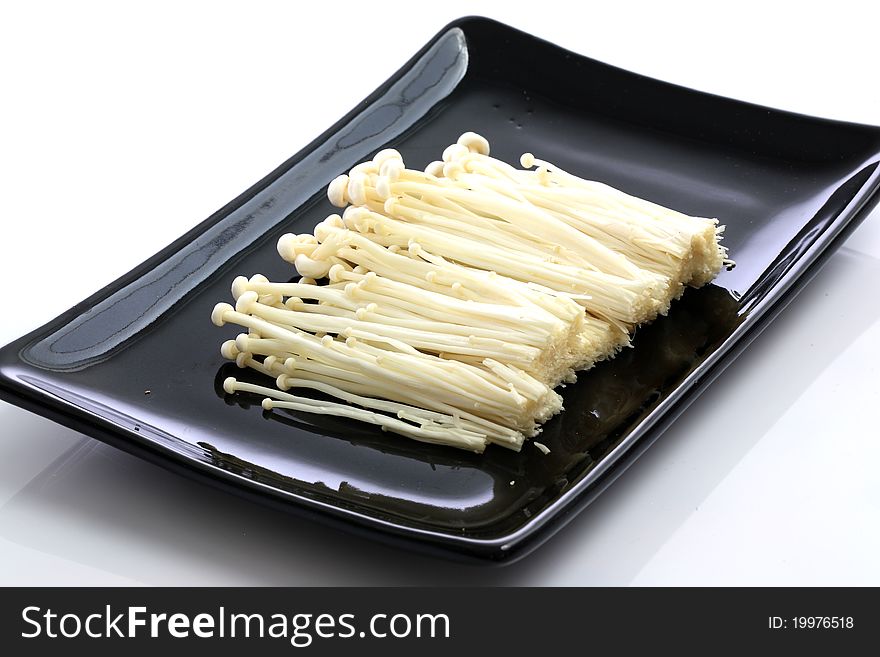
[(116, 117)]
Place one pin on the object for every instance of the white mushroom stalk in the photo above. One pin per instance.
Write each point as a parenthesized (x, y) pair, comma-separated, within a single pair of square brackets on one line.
[(503, 404), (623, 301), (439, 429), (445, 305), (435, 289)]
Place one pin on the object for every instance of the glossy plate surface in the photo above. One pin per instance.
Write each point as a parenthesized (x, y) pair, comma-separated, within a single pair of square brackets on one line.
[(138, 364)]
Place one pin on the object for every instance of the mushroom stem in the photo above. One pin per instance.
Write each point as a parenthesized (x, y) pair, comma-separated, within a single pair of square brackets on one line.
[(446, 304)]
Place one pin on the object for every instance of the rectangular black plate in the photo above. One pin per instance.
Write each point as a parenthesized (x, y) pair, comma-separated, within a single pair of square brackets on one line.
[(788, 187)]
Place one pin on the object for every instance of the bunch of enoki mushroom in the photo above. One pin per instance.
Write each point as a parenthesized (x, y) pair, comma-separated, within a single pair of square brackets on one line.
[(446, 304)]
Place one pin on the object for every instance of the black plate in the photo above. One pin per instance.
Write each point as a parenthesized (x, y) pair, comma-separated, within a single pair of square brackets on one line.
[(788, 187)]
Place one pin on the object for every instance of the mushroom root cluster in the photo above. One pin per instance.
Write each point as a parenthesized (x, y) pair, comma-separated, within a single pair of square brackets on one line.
[(446, 305)]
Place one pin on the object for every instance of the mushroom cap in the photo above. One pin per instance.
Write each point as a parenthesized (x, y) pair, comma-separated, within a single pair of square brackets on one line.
[(337, 191), (219, 312), (435, 169), (245, 303), (454, 151), (474, 143), (239, 286), (229, 350)]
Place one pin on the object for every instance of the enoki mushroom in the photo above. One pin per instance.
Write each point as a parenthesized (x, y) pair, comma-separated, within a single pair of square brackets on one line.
[(445, 305)]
